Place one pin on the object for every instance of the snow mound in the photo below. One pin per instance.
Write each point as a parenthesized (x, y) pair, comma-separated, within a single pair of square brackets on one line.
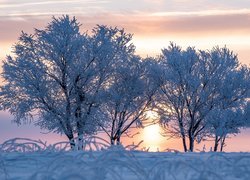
[(36, 160)]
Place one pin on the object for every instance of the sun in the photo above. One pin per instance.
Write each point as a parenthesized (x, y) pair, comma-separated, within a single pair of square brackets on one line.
[(152, 133), (152, 137)]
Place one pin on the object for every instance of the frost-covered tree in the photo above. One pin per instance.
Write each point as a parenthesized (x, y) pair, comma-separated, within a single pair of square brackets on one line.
[(222, 123), (193, 84), (60, 75), (179, 77), (38, 77), (109, 48), (247, 114), (227, 116), (128, 97)]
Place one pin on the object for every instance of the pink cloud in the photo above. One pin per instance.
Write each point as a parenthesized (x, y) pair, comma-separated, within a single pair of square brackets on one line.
[(216, 27)]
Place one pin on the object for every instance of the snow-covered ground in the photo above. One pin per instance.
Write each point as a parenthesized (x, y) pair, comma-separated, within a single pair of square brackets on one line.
[(117, 163)]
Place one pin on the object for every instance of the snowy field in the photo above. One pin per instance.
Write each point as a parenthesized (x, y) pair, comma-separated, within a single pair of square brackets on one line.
[(116, 163)]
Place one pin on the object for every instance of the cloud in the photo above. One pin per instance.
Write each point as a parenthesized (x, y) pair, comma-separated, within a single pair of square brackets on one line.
[(194, 28), (201, 13), (50, 7), (200, 24), (143, 24)]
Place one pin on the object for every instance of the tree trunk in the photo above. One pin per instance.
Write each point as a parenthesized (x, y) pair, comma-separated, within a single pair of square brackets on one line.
[(184, 143), (222, 143), (118, 140), (80, 127), (112, 141), (191, 140), (80, 141), (80, 134), (191, 144), (119, 133), (216, 143), (69, 133), (115, 140), (71, 140)]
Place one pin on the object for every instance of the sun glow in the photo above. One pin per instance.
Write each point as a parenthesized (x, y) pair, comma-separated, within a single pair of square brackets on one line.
[(152, 133), (152, 137)]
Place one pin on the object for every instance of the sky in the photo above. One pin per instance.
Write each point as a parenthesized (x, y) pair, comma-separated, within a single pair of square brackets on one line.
[(153, 23)]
